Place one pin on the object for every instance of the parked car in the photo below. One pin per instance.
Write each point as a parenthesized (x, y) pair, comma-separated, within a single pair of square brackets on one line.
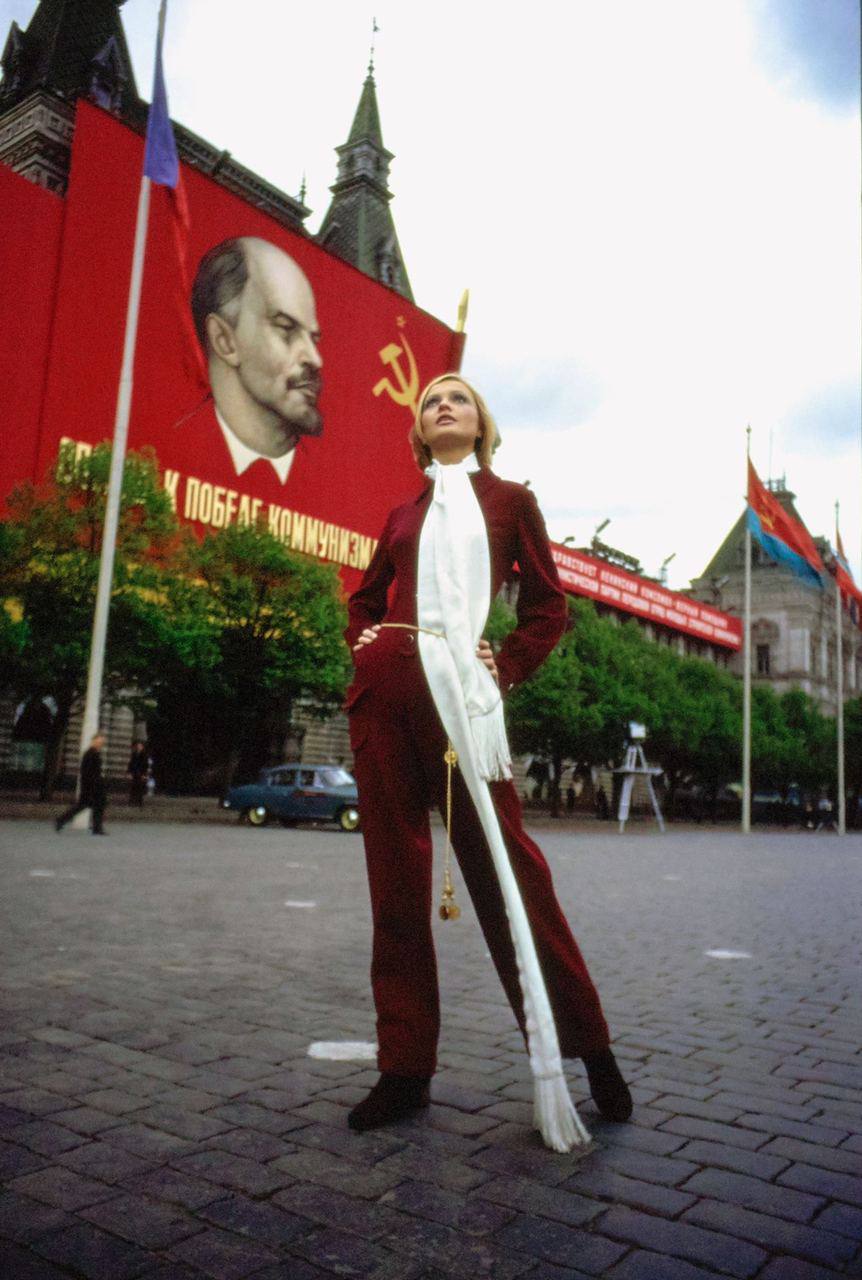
[(294, 793)]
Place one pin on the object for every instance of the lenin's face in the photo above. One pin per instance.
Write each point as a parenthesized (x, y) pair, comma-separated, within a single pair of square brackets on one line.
[(276, 340)]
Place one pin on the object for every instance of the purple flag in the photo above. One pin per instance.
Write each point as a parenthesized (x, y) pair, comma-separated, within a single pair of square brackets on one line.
[(160, 158)]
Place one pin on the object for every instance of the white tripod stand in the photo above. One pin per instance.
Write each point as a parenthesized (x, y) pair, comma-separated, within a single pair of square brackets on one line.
[(635, 766)]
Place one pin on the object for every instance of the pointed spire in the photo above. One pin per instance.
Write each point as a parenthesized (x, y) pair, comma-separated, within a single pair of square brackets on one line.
[(358, 225), (302, 189), (366, 122)]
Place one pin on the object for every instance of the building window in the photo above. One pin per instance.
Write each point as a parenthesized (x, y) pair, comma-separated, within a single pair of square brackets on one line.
[(763, 659)]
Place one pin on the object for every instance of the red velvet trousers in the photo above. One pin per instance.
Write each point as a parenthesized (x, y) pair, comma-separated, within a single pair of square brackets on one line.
[(398, 744)]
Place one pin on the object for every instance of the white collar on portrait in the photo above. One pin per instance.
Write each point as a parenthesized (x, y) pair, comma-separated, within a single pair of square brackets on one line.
[(242, 457)]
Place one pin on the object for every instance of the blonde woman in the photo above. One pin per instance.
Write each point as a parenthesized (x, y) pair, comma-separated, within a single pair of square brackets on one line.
[(425, 683)]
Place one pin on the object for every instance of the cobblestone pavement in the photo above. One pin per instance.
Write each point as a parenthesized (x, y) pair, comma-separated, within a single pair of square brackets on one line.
[(161, 1116)]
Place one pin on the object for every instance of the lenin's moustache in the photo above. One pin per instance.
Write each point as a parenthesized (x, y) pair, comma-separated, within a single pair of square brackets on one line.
[(308, 421)]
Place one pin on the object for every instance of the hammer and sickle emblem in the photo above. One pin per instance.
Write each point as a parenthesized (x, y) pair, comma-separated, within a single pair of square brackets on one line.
[(406, 392)]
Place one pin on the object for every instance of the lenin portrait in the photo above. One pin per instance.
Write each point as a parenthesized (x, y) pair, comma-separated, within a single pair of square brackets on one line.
[(255, 317)]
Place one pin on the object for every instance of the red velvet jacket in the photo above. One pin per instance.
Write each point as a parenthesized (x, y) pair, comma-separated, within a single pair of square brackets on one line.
[(516, 533)]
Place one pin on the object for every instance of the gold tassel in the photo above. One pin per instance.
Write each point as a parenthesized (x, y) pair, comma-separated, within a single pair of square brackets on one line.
[(449, 909)]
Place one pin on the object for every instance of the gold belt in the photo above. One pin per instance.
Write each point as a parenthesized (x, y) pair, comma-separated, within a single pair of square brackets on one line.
[(449, 909), (408, 626)]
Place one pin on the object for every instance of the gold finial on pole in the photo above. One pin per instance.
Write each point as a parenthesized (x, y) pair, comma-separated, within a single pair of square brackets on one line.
[(463, 308)]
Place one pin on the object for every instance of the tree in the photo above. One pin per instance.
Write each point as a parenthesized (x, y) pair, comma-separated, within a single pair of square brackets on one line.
[(602, 675), (696, 723), (577, 705), (49, 565), (810, 756), (792, 742), (853, 756), (261, 627)]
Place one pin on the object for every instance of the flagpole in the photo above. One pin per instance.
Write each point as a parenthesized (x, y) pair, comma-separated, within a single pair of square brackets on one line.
[(746, 658), (839, 693), (115, 479), (95, 674)]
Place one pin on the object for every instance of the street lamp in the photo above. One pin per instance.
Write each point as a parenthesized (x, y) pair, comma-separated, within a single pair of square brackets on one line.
[(594, 545), (662, 573)]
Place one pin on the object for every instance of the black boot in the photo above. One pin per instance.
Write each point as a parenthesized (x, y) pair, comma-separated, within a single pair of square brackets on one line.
[(609, 1089), (392, 1098)]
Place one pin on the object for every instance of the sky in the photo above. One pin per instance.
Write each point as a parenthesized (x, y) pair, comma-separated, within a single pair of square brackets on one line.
[(656, 208)]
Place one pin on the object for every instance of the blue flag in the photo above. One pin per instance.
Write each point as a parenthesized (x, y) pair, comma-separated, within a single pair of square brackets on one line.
[(160, 158)]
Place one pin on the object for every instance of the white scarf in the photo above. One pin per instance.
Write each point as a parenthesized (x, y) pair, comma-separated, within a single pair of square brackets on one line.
[(453, 598)]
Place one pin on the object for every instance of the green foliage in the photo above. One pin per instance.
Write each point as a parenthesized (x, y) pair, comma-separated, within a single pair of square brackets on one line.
[(792, 742), (211, 641), (578, 704), (601, 675), (49, 565), (278, 615), (254, 627), (694, 718), (853, 745)]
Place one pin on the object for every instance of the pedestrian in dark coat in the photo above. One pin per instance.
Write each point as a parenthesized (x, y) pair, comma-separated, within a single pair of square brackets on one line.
[(91, 789), (137, 771)]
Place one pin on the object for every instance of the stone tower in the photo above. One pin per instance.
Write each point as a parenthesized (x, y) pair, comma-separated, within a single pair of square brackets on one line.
[(71, 49), (77, 49), (358, 226)]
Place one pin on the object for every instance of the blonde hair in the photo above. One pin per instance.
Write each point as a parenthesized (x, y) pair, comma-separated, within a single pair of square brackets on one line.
[(487, 441)]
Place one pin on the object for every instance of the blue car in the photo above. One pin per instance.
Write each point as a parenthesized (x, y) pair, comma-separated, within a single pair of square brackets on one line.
[(294, 793)]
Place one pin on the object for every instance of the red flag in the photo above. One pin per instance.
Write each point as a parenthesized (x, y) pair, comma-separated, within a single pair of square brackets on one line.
[(177, 213), (784, 538)]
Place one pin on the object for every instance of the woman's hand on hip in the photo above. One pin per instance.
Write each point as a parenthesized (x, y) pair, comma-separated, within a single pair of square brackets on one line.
[(485, 654), (366, 637)]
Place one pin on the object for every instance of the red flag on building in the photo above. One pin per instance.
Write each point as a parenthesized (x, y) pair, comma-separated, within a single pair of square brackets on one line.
[(782, 537)]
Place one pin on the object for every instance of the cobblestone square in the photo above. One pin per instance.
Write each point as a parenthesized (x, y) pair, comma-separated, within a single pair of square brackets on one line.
[(161, 1117)]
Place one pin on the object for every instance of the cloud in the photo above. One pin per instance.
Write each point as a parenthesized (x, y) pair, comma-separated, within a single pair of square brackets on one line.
[(555, 396), (813, 47), (830, 418)]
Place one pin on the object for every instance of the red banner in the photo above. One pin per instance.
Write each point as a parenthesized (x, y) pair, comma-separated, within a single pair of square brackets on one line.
[(347, 406), (29, 249), (583, 575)]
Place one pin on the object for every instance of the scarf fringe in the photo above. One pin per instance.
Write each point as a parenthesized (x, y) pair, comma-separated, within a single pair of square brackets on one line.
[(555, 1117), (493, 758)]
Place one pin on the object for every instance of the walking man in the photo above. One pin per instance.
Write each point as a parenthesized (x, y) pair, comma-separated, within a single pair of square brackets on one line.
[(91, 792)]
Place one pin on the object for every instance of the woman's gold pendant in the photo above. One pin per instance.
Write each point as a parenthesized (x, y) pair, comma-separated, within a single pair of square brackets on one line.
[(449, 909)]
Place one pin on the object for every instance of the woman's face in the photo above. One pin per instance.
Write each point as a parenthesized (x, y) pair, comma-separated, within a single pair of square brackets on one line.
[(450, 419)]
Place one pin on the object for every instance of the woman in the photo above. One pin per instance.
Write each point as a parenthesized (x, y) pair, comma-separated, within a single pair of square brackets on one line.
[(418, 666)]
